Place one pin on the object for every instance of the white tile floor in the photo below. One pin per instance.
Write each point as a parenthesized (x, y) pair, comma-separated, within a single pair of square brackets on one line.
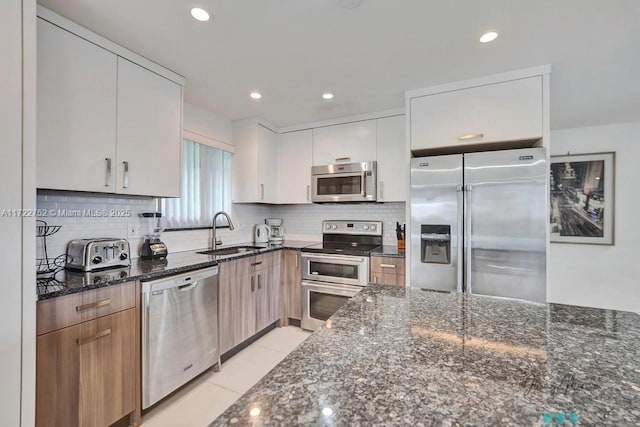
[(202, 400)]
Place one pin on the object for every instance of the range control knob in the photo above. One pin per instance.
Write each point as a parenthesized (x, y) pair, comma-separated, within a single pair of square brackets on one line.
[(328, 226), (123, 256), (96, 259), (373, 227), (334, 226), (366, 227)]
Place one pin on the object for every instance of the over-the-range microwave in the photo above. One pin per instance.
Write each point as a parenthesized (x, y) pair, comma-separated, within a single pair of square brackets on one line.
[(344, 182)]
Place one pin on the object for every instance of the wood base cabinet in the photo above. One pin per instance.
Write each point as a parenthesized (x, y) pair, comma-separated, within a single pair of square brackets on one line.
[(291, 286), (387, 270), (235, 305), (250, 300), (86, 373)]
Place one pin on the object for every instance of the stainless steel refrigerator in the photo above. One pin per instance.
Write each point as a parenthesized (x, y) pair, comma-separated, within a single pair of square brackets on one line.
[(479, 223)]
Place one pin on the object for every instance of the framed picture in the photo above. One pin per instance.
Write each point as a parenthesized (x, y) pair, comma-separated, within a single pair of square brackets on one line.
[(582, 198)]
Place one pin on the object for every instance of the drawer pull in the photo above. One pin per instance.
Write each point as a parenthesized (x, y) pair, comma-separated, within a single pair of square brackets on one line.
[(387, 266), (253, 264), (100, 303), (470, 136), (100, 334)]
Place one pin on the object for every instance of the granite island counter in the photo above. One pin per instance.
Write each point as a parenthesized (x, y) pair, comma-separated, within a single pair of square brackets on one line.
[(396, 356)]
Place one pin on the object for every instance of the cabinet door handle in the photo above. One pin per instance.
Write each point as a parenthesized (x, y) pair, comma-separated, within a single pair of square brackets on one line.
[(253, 264), (343, 159), (308, 191), (259, 284), (261, 191), (108, 177), (387, 266), (100, 334), (96, 304), (471, 136), (253, 284), (125, 175), (375, 279), (296, 260)]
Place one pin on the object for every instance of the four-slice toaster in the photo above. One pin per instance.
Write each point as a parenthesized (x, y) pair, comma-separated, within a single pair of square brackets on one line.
[(95, 254)]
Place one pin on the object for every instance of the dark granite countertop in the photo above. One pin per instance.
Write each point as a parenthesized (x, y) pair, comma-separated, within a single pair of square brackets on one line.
[(388, 250), (400, 356), (66, 282)]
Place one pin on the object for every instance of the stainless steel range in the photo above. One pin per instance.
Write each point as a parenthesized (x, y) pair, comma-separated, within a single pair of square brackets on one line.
[(337, 269)]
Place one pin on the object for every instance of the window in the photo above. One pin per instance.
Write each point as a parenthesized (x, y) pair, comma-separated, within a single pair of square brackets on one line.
[(205, 189)]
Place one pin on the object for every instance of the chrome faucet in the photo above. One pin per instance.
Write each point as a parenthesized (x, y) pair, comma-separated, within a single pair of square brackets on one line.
[(214, 241)]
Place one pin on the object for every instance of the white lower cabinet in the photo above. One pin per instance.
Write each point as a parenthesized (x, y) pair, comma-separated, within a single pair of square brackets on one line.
[(294, 180), (393, 162), (255, 164)]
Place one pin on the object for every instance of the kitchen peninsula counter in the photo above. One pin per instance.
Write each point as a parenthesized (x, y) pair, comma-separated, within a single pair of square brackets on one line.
[(398, 356)]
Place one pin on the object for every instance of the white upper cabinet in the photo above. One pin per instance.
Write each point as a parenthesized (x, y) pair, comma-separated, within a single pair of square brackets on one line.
[(104, 123), (393, 162), (345, 143), (505, 111), (294, 182), (255, 164), (148, 132), (76, 117), (268, 165)]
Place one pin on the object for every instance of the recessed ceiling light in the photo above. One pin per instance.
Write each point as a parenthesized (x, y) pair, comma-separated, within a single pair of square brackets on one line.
[(327, 95), (255, 95), (200, 14), (349, 4), (488, 37)]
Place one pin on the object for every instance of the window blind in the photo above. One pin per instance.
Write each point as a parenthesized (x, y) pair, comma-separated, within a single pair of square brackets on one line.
[(205, 187)]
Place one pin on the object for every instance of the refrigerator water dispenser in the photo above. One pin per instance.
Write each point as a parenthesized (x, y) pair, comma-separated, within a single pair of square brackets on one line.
[(435, 244)]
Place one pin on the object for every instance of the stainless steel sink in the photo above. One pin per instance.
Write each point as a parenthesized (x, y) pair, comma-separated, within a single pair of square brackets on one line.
[(232, 250)]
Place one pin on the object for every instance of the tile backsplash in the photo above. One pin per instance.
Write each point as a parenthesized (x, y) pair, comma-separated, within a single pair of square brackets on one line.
[(87, 215), (305, 221)]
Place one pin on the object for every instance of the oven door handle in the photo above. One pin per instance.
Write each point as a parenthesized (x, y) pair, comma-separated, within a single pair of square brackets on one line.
[(324, 288), (349, 258)]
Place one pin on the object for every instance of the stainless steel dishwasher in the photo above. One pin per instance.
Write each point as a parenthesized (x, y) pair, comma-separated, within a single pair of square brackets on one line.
[(179, 331)]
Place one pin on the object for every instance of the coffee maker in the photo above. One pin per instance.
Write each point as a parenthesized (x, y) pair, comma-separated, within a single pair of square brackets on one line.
[(153, 247), (276, 230)]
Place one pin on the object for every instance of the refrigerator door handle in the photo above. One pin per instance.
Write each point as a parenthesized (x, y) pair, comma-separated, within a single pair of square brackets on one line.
[(467, 239), (459, 240)]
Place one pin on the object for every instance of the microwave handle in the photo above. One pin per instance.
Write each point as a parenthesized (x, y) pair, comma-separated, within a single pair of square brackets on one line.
[(363, 187)]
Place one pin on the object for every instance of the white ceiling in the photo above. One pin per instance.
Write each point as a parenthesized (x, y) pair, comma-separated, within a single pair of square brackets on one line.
[(294, 50)]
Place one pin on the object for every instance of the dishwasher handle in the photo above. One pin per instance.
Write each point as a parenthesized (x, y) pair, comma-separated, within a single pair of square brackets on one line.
[(183, 282), (188, 286)]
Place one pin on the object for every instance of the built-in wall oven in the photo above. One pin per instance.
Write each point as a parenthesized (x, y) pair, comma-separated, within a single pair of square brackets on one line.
[(336, 270), (344, 182)]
